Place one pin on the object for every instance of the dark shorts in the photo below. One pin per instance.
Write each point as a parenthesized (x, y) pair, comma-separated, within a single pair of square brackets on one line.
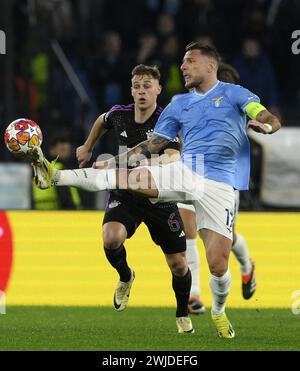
[(163, 220)]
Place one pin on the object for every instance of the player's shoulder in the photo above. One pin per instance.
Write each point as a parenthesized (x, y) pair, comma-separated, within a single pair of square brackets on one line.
[(122, 108), (158, 110), (236, 92), (229, 87), (119, 111), (232, 88), (181, 99)]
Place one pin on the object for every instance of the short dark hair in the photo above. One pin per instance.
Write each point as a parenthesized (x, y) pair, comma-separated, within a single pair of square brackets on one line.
[(228, 73), (142, 69), (208, 50)]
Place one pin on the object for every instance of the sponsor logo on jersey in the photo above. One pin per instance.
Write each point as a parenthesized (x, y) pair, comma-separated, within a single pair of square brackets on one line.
[(113, 204), (124, 134), (149, 133), (218, 101)]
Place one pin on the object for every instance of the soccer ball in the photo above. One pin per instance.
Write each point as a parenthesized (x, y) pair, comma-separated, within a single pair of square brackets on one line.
[(21, 136)]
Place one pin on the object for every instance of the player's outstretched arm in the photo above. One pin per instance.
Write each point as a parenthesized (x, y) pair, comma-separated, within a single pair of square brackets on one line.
[(169, 155), (84, 152), (265, 122), (144, 149)]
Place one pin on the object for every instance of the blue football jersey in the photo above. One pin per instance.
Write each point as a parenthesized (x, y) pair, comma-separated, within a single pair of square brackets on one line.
[(213, 128)]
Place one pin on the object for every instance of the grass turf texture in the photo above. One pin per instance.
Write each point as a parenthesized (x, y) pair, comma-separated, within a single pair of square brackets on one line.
[(102, 328)]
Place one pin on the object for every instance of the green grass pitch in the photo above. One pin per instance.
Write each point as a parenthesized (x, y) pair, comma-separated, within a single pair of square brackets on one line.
[(90, 328)]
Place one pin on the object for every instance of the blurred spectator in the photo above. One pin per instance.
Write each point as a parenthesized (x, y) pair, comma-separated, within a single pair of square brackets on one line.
[(253, 19), (66, 198), (147, 51), (171, 77), (282, 19), (59, 13), (128, 18), (171, 7), (256, 73), (196, 16), (108, 73), (165, 27), (204, 39)]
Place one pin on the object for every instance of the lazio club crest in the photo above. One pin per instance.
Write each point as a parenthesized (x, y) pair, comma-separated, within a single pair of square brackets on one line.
[(218, 101)]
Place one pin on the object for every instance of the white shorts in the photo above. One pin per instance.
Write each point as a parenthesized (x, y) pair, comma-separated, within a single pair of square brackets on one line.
[(213, 201), (236, 205)]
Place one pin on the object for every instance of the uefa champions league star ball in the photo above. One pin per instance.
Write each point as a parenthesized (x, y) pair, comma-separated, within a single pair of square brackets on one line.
[(21, 136)]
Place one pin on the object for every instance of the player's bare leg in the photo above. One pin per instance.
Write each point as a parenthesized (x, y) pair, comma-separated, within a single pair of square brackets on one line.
[(181, 283), (217, 253), (114, 234), (195, 304)]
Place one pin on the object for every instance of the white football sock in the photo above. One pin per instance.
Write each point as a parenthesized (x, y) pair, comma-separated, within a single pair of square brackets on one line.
[(194, 265), (89, 179), (220, 287), (240, 250)]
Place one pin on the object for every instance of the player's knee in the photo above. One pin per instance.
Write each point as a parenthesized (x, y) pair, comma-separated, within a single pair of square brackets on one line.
[(178, 266), (113, 235), (111, 240), (112, 244), (218, 268)]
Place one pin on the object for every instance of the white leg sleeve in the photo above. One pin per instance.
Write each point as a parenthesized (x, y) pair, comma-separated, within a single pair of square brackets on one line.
[(220, 287), (193, 260), (89, 179), (240, 251)]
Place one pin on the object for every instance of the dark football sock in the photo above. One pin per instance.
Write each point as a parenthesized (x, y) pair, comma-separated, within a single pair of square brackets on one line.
[(182, 287), (117, 259)]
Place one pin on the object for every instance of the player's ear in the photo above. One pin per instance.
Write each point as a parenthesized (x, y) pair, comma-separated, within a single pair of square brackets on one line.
[(159, 89), (212, 66)]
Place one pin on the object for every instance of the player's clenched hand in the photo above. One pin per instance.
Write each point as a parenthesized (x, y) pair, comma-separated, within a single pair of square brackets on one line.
[(259, 127), (83, 155)]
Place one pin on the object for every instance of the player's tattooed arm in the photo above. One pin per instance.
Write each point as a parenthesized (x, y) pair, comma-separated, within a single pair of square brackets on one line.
[(157, 143), (137, 154), (143, 150)]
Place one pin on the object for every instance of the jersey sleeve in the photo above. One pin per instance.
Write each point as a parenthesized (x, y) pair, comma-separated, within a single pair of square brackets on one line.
[(168, 124), (174, 144), (108, 119), (241, 97), (252, 109)]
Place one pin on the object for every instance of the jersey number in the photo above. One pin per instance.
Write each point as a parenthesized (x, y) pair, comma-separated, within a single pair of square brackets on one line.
[(173, 223), (229, 219)]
